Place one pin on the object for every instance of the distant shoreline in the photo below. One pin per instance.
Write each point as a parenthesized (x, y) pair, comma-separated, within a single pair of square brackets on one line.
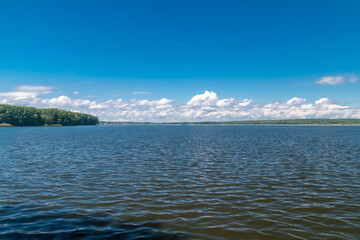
[(289, 122), (300, 125), (170, 124)]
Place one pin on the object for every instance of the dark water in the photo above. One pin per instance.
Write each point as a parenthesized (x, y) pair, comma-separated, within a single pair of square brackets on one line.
[(180, 182)]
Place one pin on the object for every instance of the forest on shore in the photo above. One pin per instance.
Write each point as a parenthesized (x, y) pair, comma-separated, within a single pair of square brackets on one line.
[(11, 115)]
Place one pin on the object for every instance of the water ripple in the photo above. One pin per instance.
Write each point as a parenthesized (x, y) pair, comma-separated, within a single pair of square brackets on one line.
[(180, 182)]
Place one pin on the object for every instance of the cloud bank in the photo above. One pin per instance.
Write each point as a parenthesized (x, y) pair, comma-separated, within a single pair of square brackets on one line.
[(202, 107)]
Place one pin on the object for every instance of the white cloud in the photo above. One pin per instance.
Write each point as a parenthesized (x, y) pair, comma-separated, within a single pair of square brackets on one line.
[(137, 93), (29, 88), (207, 98), (201, 107), (331, 80), (335, 80), (18, 94), (295, 101), (76, 92), (26, 91), (225, 102), (323, 101), (244, 103)]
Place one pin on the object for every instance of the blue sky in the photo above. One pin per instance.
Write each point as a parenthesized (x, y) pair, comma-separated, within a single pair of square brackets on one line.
[(267, 51)]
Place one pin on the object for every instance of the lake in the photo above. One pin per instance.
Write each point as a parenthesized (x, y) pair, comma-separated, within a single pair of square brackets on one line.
[(180, 182)]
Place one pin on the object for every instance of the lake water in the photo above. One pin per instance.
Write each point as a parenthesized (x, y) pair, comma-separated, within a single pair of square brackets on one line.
[(180, 182)]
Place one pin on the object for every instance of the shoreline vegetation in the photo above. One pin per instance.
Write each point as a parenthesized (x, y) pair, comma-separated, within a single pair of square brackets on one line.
[(299, 122), (11, 115)]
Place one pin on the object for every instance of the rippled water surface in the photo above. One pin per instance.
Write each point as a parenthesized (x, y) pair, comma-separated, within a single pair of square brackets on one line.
[(180, 182)]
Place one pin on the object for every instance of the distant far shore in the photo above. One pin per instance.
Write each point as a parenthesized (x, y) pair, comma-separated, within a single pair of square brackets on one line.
[(288, 122)]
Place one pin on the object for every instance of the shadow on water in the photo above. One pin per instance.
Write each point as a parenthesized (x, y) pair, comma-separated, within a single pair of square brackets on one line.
[(33, 222)]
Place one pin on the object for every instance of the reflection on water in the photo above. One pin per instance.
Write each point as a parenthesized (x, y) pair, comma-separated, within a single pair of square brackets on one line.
[(180, 182)]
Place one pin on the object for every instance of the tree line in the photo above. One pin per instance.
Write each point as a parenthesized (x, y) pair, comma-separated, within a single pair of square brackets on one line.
[(30, 116)]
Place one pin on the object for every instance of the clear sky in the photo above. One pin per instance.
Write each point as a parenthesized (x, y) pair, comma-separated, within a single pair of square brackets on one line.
[(99, 51)]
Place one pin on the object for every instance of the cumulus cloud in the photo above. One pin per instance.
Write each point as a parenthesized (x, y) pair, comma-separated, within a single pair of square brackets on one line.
[(207, 98), (201, 107), (295, 101), (335, 80)]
